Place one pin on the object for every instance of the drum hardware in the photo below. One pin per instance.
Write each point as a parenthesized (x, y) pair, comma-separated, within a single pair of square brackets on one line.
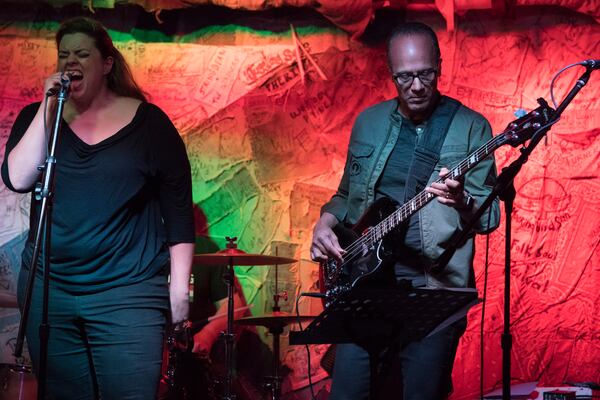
[(238, 257), (275, 322), (230, 257)]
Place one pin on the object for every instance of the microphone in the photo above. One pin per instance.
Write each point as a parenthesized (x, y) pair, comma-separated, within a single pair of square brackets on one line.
[(593, 64), (65, 82)]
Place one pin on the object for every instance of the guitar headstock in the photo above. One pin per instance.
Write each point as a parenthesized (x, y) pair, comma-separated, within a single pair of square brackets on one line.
[(523, 128)]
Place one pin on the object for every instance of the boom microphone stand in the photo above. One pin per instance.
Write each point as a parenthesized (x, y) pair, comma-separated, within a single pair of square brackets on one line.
[(44, 193), (505, 190)]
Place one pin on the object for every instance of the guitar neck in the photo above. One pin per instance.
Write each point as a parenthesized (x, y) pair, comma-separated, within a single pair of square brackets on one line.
[(409, 208)]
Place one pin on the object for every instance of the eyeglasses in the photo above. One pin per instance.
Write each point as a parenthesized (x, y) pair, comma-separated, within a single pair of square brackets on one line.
[(426, 76)]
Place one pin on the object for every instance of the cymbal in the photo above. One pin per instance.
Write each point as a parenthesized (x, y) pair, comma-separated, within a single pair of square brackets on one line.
[(8, 300), (236, 256), (274, 320)]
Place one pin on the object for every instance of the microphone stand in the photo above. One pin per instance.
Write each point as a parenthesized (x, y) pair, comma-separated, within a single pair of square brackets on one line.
[(505, 190), (44, 192)]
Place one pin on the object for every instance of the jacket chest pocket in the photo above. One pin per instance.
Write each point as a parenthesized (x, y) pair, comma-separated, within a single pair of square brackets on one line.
[(361, 160)]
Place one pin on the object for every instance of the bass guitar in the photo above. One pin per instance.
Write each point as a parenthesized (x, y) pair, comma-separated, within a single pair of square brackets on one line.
[(367, 252)]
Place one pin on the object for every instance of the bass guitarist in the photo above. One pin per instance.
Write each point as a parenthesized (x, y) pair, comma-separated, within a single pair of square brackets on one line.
[(398, 148)]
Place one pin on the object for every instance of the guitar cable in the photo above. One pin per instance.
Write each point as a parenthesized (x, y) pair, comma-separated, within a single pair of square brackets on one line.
[(309, 372), (582, 63), (485, 287)]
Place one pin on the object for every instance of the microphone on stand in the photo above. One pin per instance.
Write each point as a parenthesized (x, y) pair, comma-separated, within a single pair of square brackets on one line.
[(593, 64), (65, 82)]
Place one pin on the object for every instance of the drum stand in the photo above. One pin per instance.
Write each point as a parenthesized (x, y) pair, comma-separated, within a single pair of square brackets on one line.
[(275, 322), (274, 381), (229, 336), (233, 256)]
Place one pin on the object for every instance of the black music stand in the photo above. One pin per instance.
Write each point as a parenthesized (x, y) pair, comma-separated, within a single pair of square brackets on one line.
[(363, 314), (379, 318)]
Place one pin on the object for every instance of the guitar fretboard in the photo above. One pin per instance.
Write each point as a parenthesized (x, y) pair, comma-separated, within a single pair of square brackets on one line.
[(377, 232)]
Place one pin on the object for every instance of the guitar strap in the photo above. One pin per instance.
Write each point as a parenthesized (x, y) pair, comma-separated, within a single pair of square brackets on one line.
[(429, 144)]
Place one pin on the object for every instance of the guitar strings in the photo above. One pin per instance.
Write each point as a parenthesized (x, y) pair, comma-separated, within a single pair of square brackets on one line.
[(378, 231)]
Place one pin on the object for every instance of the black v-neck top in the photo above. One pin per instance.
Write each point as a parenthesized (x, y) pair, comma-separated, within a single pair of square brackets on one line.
[(118, 204)]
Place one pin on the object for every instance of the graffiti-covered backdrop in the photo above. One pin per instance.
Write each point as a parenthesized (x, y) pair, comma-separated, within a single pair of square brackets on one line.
[(265, 99)]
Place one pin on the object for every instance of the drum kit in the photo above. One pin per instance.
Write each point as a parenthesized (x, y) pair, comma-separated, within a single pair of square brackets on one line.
[(275, 321)]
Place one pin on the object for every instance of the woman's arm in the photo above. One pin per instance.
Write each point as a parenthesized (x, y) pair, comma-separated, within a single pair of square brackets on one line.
[(179, 288), (30, 152)]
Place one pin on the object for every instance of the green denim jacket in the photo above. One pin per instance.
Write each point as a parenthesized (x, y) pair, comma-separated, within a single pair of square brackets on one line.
[(373, 137)]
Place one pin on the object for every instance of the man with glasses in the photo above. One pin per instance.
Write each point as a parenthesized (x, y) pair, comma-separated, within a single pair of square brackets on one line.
[(397, 149)]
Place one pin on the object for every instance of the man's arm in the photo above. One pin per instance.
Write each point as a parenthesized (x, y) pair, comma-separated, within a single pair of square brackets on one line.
[(325, 243), (208, 335)]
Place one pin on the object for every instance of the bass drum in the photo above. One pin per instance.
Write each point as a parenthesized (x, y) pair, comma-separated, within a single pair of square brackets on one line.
[(17, 382), (188, 376)]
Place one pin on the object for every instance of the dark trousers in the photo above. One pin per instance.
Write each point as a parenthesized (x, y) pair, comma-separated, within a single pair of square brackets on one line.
[(105, 345), (418, 371)]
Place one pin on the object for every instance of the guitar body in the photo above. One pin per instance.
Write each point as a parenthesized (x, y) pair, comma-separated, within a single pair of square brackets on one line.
[(371, 264)]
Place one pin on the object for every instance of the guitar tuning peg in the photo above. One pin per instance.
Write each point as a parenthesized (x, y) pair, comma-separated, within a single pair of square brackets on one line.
[(520, 113)]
